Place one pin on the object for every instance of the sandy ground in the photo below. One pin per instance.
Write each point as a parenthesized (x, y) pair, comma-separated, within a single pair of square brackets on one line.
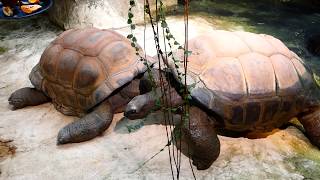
[(118, 153)]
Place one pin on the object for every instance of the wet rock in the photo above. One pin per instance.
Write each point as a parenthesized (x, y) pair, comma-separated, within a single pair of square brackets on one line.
[(313, 44), (98, 13)]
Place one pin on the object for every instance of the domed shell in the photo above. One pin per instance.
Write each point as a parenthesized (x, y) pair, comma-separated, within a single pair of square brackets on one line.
[(82, 67), (243, 76)]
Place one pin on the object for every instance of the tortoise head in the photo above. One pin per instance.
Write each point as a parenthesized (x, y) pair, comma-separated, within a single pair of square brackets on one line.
[(141, 105)]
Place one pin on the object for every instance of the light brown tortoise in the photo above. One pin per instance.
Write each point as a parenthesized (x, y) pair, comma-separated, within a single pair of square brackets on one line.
[(240, 82), (90, 73)]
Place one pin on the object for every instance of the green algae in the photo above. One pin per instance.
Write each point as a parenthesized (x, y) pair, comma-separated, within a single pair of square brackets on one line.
[(306, 160), (3, 50)]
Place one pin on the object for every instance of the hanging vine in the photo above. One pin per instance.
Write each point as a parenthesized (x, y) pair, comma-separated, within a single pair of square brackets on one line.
[(173, 134)]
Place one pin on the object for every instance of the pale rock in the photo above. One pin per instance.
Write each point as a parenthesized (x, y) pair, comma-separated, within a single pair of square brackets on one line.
[(118, 154), (98, 13)]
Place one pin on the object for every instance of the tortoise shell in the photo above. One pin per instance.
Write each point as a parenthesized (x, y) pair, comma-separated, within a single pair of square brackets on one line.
[(252, 81), (82, 67)]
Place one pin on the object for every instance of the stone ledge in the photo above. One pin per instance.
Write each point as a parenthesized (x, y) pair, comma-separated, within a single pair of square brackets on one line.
[(99, 13)]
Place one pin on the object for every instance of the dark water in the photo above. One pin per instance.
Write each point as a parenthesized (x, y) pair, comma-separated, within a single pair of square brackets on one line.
[(292, 24)]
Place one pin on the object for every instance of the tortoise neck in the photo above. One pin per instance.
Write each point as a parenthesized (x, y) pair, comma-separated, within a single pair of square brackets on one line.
[(121, 98)]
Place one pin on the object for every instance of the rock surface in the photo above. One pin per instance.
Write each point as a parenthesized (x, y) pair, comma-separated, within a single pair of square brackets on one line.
[(118, 153), (313, 44), (81, 13)]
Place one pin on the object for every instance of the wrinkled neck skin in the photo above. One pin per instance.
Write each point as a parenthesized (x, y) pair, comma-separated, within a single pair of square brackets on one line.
[(123, 96), (140, 106)]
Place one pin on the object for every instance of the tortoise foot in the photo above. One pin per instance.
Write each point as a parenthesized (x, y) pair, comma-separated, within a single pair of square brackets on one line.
[(27, 97), (201, 164), (88, 127)]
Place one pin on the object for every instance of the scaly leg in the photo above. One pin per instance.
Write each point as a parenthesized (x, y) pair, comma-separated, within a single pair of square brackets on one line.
[(88, 127), (202, 139), (311, 123), (27, 97)]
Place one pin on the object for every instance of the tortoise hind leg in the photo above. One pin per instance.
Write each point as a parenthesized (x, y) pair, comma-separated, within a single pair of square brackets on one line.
[(88, 127), (27, 97), (311, 123), (202, 140)]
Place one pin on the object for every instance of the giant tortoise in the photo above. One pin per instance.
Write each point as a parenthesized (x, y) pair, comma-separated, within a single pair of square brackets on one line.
[(90, 73), (239, 82)]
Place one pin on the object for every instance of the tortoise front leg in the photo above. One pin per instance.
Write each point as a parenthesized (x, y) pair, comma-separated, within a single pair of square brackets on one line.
[(202, 139), (311, 123), (88, 127), (27, 97)]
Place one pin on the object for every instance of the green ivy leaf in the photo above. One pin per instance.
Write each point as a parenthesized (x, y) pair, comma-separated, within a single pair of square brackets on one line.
[(317, 79), (132, 3), (189, 97), (164, 24), (130, 36), (176, 43), (187, 53), (133, 26), (129, 21), (180, 47), (134, 39), (133, 44), (158, 103), (130, 15)]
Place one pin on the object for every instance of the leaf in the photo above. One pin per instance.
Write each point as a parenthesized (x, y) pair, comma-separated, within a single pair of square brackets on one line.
[(133, 26), (187, 53), (189, 97), (176, 43), (129, 21), (164, 24), (130, 36), (130, 15), (317, 79), (158, 103), (134, 39), (180, 47), (170, 53), (132, 3), (133, 44)]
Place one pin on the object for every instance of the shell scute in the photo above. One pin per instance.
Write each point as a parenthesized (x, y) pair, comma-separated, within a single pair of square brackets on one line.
[(66, 67), (227, 44), (259, 75), (225, 78), (88, 76), (257, 43), (95, 42), (48, 61), (287, 78)]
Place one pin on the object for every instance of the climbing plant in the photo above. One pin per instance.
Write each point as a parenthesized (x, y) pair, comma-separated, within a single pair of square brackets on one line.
[(165, 58)]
